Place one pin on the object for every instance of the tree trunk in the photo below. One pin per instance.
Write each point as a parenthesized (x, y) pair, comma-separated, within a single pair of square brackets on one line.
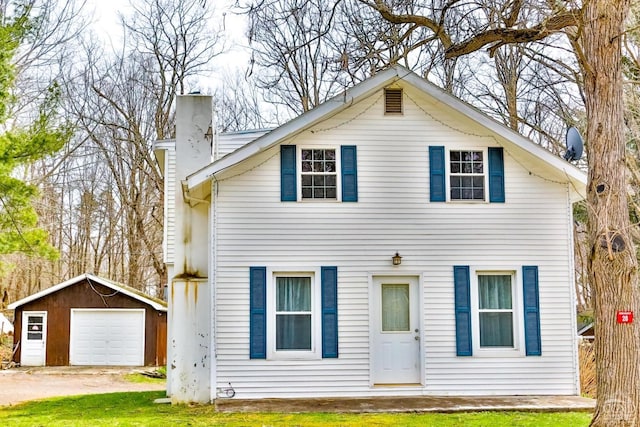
[(612, 261)]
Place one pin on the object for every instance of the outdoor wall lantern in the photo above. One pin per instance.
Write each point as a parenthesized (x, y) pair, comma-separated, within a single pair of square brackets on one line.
[(397, 259)]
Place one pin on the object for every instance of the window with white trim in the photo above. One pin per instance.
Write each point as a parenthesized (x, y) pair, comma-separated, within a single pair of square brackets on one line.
[(496, 313), (293, 316), (319, 174), (495, 310), (467, 175)]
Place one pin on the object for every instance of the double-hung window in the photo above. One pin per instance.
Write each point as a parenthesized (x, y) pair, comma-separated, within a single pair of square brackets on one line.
[(495, 310), (319, 174), (293, 313), (466, 175), (293, 316)]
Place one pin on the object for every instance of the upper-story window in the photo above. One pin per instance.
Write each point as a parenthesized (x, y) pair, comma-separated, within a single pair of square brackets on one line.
[(466, 175), (319, 176)]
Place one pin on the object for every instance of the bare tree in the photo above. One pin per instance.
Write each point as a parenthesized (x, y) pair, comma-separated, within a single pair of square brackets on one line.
[(239, 105), (290, 52)]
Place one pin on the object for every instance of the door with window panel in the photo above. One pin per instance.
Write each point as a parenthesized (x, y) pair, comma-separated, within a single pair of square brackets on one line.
[(396, 331), (34, 338)]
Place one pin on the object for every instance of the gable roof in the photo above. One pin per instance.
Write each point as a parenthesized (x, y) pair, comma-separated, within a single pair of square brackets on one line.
[(522, 148), (118, 287)]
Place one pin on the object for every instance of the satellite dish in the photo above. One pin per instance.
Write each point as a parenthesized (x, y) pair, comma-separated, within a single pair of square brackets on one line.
[(574, 145)]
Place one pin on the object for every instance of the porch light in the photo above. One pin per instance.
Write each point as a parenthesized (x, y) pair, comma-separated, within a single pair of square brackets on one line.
[(397, 259)]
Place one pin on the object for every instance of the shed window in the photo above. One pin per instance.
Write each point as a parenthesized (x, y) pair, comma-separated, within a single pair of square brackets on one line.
[(35, 326)]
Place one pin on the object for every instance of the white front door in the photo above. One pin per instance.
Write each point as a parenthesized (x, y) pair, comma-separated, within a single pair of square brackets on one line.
[(396, 330), (34, 338)]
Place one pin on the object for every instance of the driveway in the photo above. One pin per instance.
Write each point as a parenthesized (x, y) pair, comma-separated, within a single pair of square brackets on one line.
[(23, 384)]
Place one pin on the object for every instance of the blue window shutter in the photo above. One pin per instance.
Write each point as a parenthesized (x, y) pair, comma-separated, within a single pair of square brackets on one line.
[(531, 310), (329, 279), (288, 175), (437, 186), (349, 162), (463, 310), (258, 313), (496, 175)]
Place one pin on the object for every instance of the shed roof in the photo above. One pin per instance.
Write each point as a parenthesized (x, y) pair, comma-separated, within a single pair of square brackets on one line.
[(126, 290)]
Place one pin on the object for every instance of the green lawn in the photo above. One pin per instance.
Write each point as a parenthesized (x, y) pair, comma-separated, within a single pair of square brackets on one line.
[(138, 409)]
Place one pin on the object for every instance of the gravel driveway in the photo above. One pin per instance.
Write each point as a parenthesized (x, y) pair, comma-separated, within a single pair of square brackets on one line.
[(23, 384)]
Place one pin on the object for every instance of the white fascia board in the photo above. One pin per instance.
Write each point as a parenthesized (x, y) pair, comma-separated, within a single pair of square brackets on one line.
[(322, 112), (90, 277), (159, 149)]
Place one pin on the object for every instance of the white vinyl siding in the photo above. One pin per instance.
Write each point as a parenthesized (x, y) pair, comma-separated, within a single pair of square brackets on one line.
[(229, 142), (393, 213), (169, 205)]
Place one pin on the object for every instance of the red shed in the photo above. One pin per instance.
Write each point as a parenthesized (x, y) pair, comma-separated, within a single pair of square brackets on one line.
[(92, 321)]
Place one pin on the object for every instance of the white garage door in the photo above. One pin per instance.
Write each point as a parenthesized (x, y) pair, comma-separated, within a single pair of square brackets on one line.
[(107, 337)]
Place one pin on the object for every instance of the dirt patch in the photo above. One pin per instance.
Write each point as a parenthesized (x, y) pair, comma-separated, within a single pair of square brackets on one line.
[(24, 384)]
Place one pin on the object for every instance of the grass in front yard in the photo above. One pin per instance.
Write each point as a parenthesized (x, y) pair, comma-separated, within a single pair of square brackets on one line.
[(138, 377), (138, 409)]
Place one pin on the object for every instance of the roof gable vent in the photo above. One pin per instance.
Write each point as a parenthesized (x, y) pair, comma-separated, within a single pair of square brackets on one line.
[(393, 101)]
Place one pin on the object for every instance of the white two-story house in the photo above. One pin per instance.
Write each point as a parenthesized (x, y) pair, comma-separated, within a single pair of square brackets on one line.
[(392, 241)]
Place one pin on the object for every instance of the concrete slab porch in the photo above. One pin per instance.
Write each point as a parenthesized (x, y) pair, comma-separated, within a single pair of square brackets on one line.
[(445, 404)]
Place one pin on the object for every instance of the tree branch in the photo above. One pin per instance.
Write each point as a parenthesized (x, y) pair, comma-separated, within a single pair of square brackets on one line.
[(501, 36)]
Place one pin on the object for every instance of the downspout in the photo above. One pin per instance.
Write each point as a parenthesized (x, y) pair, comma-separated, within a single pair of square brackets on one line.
[(213, 244), (574, 297)]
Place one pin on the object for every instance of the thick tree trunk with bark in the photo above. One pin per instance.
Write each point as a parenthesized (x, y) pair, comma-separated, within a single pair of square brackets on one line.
[(612, 261)]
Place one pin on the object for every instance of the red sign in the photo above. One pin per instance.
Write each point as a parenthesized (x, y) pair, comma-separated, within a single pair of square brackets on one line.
[(624, 316)]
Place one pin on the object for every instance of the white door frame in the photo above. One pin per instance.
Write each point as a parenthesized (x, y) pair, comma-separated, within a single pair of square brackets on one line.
[(374, 317), (38, 351)]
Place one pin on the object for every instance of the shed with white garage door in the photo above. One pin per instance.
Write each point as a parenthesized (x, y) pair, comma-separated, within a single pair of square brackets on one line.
[(90, 321)]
